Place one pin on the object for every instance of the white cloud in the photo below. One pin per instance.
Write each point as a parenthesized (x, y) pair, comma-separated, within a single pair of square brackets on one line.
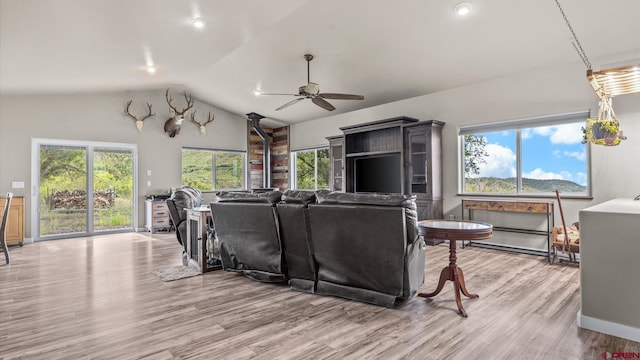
[(560, 134), (542, 175), (581, 178), (580, 155), (501, 162), (566, 134), (544, 130), (567, 175)]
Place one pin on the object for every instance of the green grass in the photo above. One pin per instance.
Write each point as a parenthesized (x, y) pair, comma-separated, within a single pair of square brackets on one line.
[(63, 221)]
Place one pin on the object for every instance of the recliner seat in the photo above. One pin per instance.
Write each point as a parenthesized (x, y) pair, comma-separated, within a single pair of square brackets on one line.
[(367, 246), (247, 228), (364, 247)]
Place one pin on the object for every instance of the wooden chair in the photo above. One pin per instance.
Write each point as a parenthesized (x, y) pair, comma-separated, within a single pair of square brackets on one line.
[(565, 239), (3, 227)]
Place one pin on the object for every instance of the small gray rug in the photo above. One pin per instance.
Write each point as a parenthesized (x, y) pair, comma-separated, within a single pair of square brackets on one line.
[(175, 272)]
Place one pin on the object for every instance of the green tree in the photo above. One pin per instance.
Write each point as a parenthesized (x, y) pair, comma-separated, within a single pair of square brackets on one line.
[(198, 171), (475, 153), (228, 170), (197, 168), (323, 168), (305, 170), (62, 168), (113, 170), (312, 169), (55, 161)]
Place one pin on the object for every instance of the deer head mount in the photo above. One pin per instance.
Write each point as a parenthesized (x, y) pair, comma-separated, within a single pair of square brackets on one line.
[(202, 129), (172, 125), (138, 121)]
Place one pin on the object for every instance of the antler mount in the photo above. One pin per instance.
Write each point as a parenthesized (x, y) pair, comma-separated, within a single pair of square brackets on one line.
[(139, 122), (203, 130)]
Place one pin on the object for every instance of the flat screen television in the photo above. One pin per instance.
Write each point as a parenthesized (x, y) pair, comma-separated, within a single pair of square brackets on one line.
[(378, 173)]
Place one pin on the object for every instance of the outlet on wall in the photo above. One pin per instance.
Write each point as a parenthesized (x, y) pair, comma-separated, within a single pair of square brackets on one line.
[(17, 184)]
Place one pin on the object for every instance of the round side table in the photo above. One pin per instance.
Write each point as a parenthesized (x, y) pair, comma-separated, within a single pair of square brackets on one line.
[(454, 230)]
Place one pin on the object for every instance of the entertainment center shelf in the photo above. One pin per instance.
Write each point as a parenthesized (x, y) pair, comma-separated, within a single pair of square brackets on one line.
[(396, 155), (379, 141), (372, 153)]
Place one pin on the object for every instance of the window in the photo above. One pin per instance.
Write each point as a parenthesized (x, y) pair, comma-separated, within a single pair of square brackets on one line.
[(311, 169), (208, 170), (529, 156)]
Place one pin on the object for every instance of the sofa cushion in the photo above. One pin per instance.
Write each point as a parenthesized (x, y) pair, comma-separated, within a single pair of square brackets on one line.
[(305, 197), (271, 197), (377, 199)]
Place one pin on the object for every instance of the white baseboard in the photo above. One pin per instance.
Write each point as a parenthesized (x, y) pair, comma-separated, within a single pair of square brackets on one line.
[(608, 327)]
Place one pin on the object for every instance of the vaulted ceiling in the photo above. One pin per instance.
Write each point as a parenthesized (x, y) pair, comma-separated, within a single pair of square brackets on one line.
[(384, 50)]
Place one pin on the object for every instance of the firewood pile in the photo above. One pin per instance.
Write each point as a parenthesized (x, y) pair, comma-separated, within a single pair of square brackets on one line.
[(77, 199)]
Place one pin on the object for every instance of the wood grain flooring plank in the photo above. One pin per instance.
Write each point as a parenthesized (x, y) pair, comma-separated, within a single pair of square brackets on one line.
[(95, 298)]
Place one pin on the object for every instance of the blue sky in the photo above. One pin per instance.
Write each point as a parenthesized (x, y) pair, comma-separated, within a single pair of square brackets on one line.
[(550, 152)]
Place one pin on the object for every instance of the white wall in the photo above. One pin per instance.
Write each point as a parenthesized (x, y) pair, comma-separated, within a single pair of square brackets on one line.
[(615, 170), (99, 117)]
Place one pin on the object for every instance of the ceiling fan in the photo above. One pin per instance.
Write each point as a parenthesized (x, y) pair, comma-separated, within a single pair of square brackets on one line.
[(312, 91)]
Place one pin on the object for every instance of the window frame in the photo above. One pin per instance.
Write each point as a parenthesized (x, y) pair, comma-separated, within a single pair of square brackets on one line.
[(294, 168), (518, 125), (213, 166)]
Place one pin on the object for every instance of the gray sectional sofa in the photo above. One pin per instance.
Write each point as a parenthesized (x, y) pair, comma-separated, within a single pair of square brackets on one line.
[(364, 247)]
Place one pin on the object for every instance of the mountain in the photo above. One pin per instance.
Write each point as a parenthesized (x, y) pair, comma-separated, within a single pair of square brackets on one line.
[(508, 185), (551, 185)]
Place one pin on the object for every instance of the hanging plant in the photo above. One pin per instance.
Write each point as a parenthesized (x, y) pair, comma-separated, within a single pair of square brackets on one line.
[(605, 129), (602, 132)]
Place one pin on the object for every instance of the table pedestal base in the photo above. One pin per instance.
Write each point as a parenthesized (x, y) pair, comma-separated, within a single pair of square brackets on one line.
[(452, 273)]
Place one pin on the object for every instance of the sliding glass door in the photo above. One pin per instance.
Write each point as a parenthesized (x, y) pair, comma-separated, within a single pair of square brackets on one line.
[(63, 186), (65, 172), (112, 189)]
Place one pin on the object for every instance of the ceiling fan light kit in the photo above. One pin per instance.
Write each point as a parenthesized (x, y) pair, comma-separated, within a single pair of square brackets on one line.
[(312, 91)]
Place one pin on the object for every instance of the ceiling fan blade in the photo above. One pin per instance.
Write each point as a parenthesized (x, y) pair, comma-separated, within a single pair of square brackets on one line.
[(341, 96), (294, 101), (323, 103), (278, 94)]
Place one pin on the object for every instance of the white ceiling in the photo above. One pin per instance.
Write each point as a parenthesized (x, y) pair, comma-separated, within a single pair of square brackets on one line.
[(384, 50)]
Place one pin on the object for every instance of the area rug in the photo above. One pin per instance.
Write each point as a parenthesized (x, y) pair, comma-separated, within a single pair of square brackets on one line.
[(171, 273)]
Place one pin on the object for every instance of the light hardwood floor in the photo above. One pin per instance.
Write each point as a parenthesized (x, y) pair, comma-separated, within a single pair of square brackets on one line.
[(94, 298)]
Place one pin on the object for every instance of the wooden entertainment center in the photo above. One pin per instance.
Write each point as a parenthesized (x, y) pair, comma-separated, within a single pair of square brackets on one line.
[(412, 148)]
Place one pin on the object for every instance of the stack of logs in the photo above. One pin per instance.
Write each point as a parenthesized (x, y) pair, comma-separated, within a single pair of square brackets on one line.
[(77, 199)]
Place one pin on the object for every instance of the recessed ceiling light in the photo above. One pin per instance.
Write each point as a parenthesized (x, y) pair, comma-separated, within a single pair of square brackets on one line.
[(463, 9), (257, 92), (151, 69), (198, 23)]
